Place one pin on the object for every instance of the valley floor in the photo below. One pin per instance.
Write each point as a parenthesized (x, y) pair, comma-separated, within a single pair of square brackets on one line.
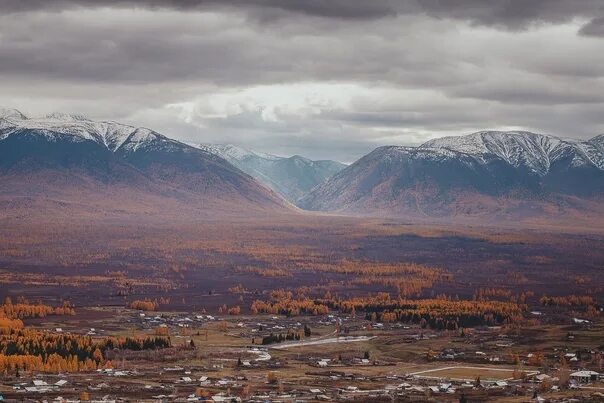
[(310, 307)]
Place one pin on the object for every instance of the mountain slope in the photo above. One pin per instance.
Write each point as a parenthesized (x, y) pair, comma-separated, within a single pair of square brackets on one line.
[(102, 166), (492, 174), (291, 177), (566, 166)]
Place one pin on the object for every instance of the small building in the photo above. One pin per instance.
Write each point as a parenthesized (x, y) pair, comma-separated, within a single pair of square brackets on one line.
[(543, 378), (324, 362), (223, 398), (580, 321), (584, 376)]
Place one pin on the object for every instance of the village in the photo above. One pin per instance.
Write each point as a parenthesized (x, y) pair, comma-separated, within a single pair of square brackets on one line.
[(332, 357)]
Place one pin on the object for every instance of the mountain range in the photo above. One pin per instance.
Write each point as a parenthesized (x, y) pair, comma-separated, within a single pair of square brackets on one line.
[(490, 173), (69, 164), (75, 164), (291, 177)]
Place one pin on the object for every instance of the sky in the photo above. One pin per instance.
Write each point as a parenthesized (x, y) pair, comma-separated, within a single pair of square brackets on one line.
[(324, 79)]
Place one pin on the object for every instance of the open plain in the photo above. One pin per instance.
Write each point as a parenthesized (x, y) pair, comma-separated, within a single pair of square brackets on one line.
[(319, 308)]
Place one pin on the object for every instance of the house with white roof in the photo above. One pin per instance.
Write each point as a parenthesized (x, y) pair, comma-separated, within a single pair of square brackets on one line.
[(584, 376)]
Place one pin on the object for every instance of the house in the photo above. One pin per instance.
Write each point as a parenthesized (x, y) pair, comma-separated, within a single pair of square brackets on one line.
[(584, 376), (580, 321), (173, 369), (120, 373), (223, 398), (39, 389), (323, 362), (61, 382), (543, 378)]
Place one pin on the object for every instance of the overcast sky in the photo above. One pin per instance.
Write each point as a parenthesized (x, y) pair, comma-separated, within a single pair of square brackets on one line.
[(325, 79)]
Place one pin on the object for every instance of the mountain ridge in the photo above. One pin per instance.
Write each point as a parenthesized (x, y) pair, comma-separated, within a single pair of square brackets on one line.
[(512, 146), (493, 174), (63, 157), (500, 174), (291, 177)]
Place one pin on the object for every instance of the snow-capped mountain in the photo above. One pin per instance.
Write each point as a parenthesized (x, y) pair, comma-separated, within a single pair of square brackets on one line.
[(490, 173), (58, 156), (537, 153), (77, 128), (236, 153), (291, 177)]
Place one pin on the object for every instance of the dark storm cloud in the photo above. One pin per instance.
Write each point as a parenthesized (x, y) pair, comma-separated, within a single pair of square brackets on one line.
[(100, 47), (594, 28), (326, 79), (513, 14)]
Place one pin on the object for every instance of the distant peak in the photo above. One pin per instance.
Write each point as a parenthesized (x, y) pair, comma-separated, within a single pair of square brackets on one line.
[(231, 151), (481, 138), (65, 116), (10, 113), (599, 138), (299, 157), (504, 133)]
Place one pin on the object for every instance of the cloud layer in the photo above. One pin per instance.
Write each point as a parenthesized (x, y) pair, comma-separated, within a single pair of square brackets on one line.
[(323, 79)]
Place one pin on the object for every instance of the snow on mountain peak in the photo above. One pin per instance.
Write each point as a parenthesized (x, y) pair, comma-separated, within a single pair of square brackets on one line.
[(232, 152), (598, 140), (12, 114), (64, 116), (110, 134), (521, 149)]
